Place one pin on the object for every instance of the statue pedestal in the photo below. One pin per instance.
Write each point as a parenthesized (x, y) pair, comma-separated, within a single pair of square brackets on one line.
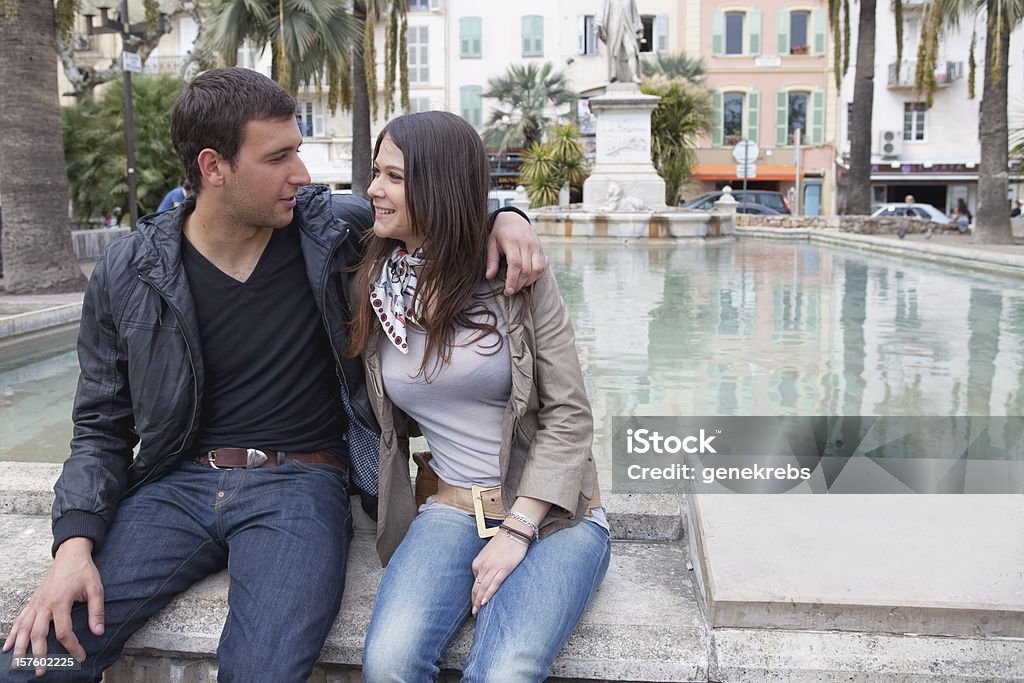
[(624, 147)]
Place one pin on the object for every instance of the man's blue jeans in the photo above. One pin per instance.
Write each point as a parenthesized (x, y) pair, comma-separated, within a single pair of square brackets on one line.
[(424, 598), (283, 534)]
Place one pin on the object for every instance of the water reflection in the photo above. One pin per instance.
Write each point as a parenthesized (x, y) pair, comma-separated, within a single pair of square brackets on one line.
[(731, 328), (768, 328)]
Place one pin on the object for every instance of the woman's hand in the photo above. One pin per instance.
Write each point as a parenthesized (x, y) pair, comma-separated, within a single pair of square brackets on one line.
[(492, 566)]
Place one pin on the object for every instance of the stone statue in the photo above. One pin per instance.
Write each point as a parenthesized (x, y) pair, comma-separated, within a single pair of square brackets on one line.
[(618, 201), (618, 25)]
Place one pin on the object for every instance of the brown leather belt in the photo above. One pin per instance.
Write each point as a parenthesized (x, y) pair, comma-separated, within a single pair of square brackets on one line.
[(226, 458)]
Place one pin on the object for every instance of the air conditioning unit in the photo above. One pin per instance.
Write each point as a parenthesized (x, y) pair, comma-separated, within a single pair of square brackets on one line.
[(890, 143)]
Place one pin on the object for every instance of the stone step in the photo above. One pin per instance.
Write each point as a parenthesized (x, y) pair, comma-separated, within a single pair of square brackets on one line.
[(643, 625)]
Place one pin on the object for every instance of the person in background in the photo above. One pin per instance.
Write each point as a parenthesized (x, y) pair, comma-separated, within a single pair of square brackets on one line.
[(514, 532), (1016, 209), (175, 197), (961, 215)]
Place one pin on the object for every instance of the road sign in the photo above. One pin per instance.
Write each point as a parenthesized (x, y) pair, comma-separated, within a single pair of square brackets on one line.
[(745, 151), (746, 170), (131, 62)]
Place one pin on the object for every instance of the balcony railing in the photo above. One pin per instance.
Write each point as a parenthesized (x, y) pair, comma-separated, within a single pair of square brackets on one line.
[(945, 73)]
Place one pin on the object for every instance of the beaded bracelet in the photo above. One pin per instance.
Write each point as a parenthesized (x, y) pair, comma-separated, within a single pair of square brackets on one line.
[(508, 531), (520, 517)]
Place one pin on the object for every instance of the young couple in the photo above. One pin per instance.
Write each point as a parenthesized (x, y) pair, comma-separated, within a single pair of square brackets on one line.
[(228, 338)]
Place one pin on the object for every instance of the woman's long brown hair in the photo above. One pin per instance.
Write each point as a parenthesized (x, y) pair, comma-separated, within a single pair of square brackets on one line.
[(447, 177)]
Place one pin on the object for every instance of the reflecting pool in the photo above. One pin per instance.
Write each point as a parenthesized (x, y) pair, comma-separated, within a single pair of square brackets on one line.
[(749, 327)]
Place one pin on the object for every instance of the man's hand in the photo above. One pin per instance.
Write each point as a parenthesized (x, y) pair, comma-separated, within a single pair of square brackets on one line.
[(72, 578), (513, 237), (492, 566)]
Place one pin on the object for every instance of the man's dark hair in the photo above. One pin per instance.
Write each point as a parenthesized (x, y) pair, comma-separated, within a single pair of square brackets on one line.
[(213, 109)]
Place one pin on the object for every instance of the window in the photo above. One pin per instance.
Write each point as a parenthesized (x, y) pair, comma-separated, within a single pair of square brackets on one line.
[(419, 58), (802, 110), (417, 104), (914, 120), (732, 116), (734, 33), (469, 104), (533, 36), (797, 115), (587, 35), (801, 32), (470, 29), (655, 36), (798, 24), (310, 116), (736, 115), (422, 5)]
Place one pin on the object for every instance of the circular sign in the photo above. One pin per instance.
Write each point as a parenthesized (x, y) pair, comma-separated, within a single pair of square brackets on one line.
[(745, 151)]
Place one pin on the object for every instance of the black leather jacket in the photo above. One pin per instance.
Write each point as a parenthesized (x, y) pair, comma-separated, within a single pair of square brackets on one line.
[(139, 322)]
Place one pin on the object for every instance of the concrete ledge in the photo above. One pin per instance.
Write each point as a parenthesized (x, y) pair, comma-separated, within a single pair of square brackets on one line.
[(41, 318), (964, 254), (922, 564), (631, 224), (643, 625)]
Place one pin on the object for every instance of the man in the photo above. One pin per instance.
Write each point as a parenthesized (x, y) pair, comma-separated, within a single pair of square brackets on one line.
[(200, 341), (618, 24), (175, 197)]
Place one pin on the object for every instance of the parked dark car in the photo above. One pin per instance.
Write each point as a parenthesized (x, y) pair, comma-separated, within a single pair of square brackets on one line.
[(773, 200), (757, 209)]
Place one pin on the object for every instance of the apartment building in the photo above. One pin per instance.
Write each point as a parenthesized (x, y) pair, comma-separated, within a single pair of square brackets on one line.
[(768, 66), (929, 152)]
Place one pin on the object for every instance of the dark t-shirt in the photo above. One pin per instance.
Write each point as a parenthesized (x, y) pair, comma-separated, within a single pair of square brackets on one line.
[(270, 380)]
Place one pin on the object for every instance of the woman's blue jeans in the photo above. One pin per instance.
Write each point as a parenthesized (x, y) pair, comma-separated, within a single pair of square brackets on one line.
[(283, 534), (424, 598)]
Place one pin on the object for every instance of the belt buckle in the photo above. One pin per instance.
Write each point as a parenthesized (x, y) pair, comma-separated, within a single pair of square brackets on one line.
[(478, 509), (254, 457)]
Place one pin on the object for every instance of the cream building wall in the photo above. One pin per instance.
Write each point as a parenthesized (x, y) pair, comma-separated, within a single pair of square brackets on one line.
[(942, 166)]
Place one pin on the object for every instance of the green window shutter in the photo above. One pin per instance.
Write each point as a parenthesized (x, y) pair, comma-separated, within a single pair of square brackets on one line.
[(818, 18), (817, 117), (782, 29), (753, 115), (469, 37), (716, 119), (470, 97), (533, 36), (718, 36), (782, 118), (754, 32)]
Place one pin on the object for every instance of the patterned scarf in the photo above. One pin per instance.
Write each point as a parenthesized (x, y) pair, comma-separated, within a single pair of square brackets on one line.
[(393, 295)]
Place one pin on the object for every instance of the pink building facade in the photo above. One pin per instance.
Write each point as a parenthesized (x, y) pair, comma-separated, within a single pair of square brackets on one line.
[(768, 65)]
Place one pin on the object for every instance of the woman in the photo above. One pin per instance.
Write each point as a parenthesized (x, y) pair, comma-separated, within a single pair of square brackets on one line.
[(962, 216), (494, 384)]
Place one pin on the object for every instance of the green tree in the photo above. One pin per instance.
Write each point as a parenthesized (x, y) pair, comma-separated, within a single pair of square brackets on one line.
[(526, 96), (681, 117), (548, 166), (36, 237), (94, 144), (992, 222), (674, 66)]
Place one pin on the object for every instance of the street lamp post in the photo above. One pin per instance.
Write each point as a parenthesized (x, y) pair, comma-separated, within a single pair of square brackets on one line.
[(129, 63)]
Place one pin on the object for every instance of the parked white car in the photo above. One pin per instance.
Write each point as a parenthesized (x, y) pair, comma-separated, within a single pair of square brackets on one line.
[(925, 211)]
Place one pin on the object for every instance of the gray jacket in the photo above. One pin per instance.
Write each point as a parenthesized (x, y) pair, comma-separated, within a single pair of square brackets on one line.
[(139, 322), (547, 428)]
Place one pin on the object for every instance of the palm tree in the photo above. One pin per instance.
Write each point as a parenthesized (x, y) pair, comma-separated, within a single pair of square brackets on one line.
[(992, 223), (36, 237), (525, 94), (675, 66), (858, 195), (683, 114)]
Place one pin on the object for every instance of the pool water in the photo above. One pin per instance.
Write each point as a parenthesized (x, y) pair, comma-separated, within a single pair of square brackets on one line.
[(749, 327)]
